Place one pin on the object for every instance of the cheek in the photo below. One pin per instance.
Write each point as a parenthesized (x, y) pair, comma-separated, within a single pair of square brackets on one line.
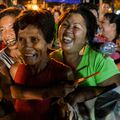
[(106, 30), (40, 48), (80, 34), (4, 34), (21, 47), (81, 38)]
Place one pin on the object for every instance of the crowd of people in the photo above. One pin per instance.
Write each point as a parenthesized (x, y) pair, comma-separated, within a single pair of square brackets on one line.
[(51, 62)]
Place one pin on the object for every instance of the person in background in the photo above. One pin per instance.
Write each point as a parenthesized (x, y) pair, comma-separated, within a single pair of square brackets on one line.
[(56, 14), (104, 8), (2, 7), (92, 7), (110, 29), (8, 55), (17, 5), (42, 78)]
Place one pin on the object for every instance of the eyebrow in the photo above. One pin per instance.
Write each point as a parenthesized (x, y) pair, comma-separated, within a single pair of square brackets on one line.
[(77, 23), (6, 26)]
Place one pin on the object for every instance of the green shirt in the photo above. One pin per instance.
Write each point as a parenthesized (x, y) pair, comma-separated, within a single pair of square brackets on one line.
[(94, 62)]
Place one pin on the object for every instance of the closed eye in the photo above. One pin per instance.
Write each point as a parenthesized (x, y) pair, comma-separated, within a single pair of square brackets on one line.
[(65, 24), (1, 29), (76, 27), (34, 40), (21, 39)]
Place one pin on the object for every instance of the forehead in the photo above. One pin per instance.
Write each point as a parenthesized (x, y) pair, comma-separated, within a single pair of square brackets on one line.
[(30, 30), (105, 5), (7, 20), (75, 18)]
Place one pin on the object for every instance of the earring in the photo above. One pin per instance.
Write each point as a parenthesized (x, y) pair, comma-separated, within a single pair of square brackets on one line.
[(82, 50)]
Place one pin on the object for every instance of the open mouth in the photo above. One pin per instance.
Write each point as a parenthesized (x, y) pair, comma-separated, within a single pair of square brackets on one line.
[(67, 40), (30, 55), (11, 42), (30, 58)]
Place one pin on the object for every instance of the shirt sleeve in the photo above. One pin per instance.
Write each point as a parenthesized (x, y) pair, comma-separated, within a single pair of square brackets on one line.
[(107, 69)]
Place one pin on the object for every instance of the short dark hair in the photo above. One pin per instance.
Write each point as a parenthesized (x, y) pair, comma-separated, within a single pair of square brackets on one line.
[(42, 19), (2, 6), (114, 18), (10, 11)]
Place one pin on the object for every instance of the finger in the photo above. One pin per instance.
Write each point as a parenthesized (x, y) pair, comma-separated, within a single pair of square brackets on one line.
[(22, 60), (68, 97)]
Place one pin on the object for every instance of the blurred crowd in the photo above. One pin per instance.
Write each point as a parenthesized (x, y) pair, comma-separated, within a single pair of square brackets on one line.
[(54, 59)]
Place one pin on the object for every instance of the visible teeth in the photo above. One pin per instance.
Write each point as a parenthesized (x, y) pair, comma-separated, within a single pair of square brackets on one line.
[(67, 38), (29, 55), (11, 42)]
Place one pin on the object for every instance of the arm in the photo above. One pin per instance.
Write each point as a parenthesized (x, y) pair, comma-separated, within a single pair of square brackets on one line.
[(5, 81), (113, 80), (22, 92), (82, 93), (34, 93)]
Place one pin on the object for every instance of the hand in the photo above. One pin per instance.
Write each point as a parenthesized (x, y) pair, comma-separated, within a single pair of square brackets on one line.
[(68, 89), (15, 53), (16, 92), (74, 97)]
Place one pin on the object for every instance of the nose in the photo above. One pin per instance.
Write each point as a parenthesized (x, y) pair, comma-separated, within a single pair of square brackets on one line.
[(29, 44), (69, 29)]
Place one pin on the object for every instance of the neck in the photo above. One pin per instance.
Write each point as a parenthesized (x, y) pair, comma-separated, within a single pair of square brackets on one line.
[(37, 68), (72, 59)]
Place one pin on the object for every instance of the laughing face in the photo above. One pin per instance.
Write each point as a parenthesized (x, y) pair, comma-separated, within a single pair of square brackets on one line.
[(7, 32), (72, 33), (32, 45)]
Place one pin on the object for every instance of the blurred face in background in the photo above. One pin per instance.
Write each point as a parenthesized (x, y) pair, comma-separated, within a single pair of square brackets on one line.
[(56, 16), (108, 29), (14, 2), (105, 8), (7, 32)]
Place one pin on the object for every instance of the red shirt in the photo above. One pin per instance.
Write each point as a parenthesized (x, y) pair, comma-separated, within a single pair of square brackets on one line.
[(37, 109)]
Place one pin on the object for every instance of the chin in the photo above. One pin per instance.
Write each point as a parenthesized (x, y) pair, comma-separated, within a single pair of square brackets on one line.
[(67, 46), (31, 62)]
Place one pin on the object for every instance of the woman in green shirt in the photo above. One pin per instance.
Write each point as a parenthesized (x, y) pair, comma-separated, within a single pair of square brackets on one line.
[(76, 33)]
